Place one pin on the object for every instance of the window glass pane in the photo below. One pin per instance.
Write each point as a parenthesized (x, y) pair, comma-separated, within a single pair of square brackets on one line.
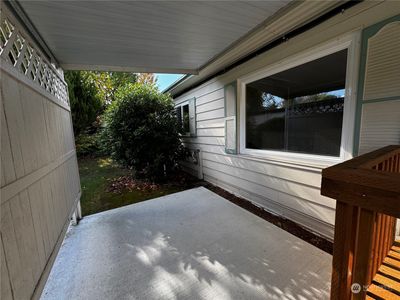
[(185, 118), (178, 111), (300, 109)]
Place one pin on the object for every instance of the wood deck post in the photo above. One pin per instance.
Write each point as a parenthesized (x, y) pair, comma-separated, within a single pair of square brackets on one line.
[(363, 250), (343, 250)]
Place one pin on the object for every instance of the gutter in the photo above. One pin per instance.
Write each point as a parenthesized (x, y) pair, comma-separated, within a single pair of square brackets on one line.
[(278, 41), (176, 83)]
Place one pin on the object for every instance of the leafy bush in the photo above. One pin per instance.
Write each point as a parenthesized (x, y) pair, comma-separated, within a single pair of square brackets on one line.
[(88, 145), (142, 131)]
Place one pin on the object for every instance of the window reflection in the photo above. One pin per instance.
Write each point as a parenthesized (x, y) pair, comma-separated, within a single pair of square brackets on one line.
[(300, 109)]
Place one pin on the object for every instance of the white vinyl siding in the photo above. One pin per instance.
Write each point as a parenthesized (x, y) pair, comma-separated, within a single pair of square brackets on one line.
[(209, 106), (286, 189), (282, 185)]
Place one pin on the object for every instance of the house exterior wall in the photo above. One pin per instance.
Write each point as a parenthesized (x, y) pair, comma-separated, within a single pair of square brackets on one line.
[(285, 186), (40, 186)]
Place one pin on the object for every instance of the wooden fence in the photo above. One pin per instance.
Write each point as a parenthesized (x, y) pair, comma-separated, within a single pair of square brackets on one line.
[(40, 186)]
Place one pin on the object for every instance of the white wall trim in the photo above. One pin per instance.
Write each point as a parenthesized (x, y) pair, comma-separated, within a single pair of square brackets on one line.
[(352, 43), (12, 189)]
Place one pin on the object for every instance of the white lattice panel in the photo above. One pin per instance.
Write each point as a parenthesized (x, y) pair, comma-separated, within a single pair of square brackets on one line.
[(24, 56)]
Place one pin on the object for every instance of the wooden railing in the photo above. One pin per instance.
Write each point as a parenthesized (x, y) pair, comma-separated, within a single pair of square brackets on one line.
[(366, 263)]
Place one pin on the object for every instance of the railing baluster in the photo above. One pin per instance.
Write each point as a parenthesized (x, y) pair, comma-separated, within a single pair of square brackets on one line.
[(384, 238), (375, 249)]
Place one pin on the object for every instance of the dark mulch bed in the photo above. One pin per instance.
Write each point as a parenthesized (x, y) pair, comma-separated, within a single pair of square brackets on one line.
[(281, 222)]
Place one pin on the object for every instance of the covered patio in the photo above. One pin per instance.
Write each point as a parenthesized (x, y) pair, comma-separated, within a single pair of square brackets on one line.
[(192, 245), (196, 244)]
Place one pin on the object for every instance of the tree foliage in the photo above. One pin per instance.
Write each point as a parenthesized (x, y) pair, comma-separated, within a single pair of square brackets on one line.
[(108, 83), (147, 78), (142, 131), (84, 99), (90, 92)]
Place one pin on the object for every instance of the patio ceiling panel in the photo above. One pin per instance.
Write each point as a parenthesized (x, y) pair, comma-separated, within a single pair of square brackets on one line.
[(144, 36)]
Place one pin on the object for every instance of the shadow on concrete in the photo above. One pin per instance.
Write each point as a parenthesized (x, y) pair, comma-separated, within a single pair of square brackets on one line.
[(189, 245)]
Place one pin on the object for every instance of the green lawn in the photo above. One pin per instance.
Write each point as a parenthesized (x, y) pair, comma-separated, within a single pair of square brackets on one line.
[(96, 176)]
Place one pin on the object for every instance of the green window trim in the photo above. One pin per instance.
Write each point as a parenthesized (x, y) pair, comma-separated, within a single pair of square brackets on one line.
[(231, 116)]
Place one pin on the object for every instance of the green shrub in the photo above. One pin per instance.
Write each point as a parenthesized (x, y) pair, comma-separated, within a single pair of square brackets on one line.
[(87, 145), (85, 102), (142, 131)]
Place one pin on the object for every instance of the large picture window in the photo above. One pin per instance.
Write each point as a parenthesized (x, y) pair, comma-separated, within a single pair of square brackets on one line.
[(300, 109)]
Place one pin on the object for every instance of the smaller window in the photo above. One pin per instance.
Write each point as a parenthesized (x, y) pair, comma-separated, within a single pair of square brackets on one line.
[(182, 113), (178, 111), (185, 119)]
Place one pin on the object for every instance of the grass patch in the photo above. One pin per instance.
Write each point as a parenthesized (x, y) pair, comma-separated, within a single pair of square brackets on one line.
[(97, 177)]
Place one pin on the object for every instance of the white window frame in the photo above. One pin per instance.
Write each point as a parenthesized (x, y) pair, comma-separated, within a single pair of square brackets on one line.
[(350, 42), (181, 105)]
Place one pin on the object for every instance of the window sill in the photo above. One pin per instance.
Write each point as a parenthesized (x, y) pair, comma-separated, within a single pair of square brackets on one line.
[(303, 161)]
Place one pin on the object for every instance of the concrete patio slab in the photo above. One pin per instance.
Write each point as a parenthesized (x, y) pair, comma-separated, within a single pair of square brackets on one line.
[(189, 245)]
